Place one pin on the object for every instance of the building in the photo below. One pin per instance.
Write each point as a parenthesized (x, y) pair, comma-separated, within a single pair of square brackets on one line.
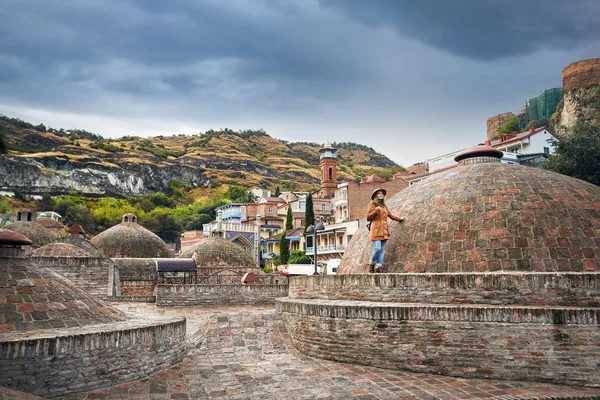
[(529, 148), (232, 212), (259, 192), (328, 164)]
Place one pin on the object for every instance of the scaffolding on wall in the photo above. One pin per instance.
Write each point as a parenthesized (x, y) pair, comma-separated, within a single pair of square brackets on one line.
[(541, 107)]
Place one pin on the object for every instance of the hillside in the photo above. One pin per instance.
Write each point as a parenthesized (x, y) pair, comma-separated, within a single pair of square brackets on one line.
[(44, 160)]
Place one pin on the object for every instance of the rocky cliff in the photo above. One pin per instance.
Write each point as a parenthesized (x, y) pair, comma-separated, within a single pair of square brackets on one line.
[(58, 162), (581, 98)]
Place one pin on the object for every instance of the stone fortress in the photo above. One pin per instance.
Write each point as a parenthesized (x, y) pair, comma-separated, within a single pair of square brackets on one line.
[(561, 106)]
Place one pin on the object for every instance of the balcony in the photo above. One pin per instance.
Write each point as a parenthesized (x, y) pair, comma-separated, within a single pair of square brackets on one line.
[(232, 214), (326, 249), (339, 202)]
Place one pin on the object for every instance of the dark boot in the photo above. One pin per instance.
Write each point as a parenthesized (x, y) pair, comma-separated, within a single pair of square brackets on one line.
[(372, 267), (378, 268)]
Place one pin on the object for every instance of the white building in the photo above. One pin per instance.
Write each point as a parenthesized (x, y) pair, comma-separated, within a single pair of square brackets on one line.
[(526, 148)]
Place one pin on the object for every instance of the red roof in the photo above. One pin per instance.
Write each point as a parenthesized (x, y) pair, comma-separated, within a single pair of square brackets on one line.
[(372, 179), (519, 136)]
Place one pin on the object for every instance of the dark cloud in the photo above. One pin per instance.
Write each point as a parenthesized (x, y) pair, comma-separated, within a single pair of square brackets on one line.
[(483, 29), (172, 42)]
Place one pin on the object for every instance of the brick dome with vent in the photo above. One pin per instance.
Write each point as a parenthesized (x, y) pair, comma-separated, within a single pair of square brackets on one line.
[(484, 216), (56, 338), (130, 240), (216, 251)]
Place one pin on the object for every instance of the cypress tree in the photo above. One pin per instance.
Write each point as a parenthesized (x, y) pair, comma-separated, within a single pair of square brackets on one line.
[(289, 223), (309, 216), (284, 251)]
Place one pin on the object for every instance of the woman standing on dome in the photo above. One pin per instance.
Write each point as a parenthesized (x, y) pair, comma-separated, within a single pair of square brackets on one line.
[(377, 214)]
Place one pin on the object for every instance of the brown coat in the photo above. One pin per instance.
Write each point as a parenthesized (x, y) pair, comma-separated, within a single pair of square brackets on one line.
[(380, 229)]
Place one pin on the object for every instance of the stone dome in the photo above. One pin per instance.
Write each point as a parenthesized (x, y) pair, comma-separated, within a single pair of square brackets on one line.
[(38, 298), (38, 234), (216, 251), (49, 223), (130, 240), (489, 217), (59, 249)]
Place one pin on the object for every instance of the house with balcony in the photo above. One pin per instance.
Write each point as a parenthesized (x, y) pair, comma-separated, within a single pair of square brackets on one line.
[(270, 248), (232, 212), (332, 241)]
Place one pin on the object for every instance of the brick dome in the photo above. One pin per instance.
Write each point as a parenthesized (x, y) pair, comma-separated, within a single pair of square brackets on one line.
[(60, 250), (216, 251), (38, 234), (489, 217), (130, 240), (37, 299)]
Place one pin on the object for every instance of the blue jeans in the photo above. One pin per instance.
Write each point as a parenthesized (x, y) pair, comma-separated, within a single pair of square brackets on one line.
[(378, 247)]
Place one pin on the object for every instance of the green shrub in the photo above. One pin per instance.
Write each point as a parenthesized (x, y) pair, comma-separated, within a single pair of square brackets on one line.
[(299, 257)]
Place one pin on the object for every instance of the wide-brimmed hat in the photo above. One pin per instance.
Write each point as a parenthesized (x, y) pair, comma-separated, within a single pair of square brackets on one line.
[(378, 190)]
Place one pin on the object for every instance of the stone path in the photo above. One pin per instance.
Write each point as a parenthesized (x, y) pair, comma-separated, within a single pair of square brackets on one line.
[(247, 354)]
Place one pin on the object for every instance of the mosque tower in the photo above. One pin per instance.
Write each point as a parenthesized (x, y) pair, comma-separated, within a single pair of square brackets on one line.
[(328, 170)]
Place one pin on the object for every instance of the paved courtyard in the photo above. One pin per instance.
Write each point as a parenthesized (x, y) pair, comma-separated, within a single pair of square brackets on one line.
[(245, 353)]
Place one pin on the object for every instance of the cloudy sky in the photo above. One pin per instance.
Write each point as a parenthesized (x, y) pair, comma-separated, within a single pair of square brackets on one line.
[(412, 79)]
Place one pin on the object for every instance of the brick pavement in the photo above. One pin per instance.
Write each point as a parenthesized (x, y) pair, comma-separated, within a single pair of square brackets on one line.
[(245, 353)]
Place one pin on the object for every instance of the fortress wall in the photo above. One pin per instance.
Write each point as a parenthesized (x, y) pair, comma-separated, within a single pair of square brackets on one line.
[(557, 289), (192, 295), (90, 358), (583, 73), (529, 344)]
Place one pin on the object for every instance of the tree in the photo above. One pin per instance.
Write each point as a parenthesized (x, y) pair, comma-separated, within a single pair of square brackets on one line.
[(536, 124), (510, 125), (289, 222), (309, 215), (577, 153), (238, 194), (299, 257), (46, 203), (277, 191), (3, 144), (197, 222), (164, 224), (80, 214), (284, 250)]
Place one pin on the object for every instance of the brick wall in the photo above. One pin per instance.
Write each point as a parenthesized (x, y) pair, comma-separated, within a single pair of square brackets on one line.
[(557, 289), (583, 73), (359, 195), (539, 344), (495, 123), (190, 295), (89, 274), (89, 359), (137, 288)]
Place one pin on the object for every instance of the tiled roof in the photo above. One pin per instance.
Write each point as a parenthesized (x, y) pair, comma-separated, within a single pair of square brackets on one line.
[(519, 136)]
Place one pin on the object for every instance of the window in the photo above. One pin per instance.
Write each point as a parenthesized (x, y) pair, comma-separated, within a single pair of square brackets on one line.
[(270, 210), (546, 151), (330, 173), (322, 207)]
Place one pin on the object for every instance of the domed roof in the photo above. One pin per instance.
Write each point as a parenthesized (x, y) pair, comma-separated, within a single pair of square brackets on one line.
[(38, 298), (216, 251), (58, 249), (38, 234), (489, 217), (49, 223), (130, 240)]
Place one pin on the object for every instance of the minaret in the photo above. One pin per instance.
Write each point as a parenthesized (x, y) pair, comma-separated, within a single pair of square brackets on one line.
[(328, 170)]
